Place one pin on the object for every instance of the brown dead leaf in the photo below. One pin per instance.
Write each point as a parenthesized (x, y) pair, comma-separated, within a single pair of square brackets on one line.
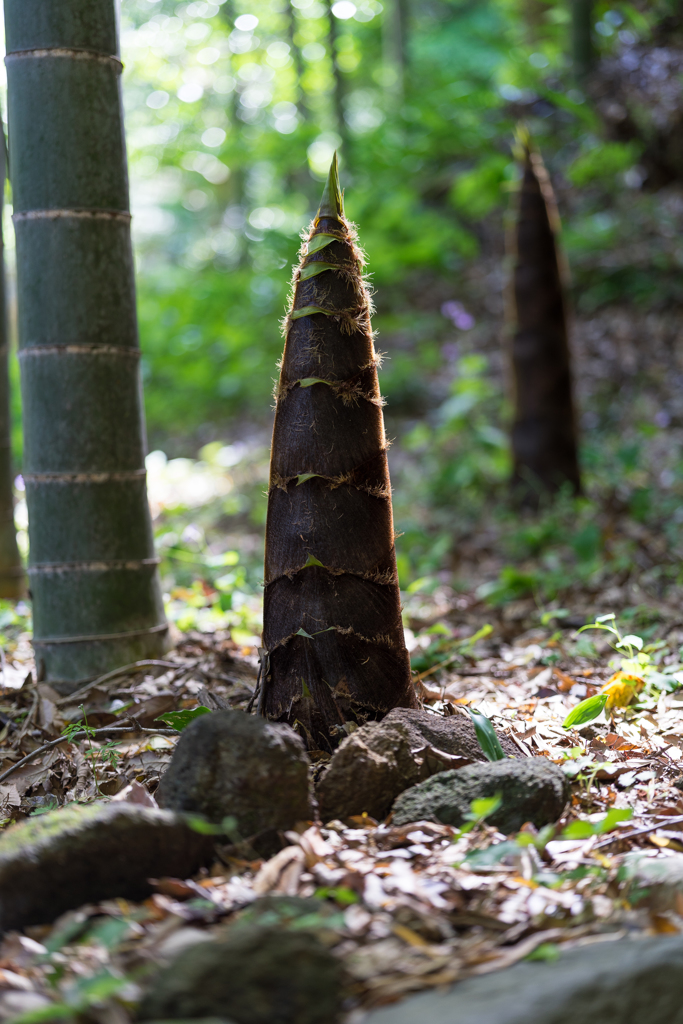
[(662, 925), (268, 877), (565, 682)]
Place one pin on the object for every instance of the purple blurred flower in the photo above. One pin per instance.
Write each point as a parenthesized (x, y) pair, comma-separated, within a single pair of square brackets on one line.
[(458, 315), (662, 418)]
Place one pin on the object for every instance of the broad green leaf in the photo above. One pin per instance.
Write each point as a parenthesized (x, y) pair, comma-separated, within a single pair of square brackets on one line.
[(341, 894), (303, 477), (306, 382), (586, 829), (492, 855), (578, 830), (47, 1014), (297, 314), (485, 806), (227, 827), (313, 269), (319, 242), (631, 641), (487, 736), (613, 818), (548, 951), (179, 719), (470, 641), (586, 711)]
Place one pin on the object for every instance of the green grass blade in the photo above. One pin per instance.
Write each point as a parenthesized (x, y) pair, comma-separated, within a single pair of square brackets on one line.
[(487, 736)]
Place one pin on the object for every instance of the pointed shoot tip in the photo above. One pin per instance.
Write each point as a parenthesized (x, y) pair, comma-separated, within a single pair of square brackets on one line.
[(332, 202)]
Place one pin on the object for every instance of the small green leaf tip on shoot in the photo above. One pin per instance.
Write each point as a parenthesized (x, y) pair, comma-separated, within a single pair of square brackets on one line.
[(332, 202), (521, 147)]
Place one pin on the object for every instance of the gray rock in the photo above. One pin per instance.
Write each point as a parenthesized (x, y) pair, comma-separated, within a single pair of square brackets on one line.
[(654, 882), (86, 853), (636, 981), (533, 789), (230, 764), (381, 759), (256, 975)]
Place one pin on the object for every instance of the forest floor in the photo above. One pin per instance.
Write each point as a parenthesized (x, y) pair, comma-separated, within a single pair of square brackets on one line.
[(406, 908), (412, 907)]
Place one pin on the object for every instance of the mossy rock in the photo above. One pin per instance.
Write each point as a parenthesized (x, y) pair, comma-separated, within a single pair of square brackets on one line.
[(256, 975), (86, 853), (532, 789)]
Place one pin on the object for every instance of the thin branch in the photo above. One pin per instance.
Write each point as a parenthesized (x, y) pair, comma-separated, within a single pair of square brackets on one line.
[(146, 663), (641, 831), (109, 730)]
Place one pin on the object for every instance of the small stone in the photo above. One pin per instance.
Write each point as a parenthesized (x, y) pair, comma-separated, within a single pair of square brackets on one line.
[(655, 882), (382, 759), (532, 789), (256, 975), (230, 764), (86, 853)]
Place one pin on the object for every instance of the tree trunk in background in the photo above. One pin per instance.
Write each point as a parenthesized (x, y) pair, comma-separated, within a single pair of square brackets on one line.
[(301, 103), (544, 443), (93, 575), (394, 39), (332, 610), (12, 576), (338, 87), (583, 51)]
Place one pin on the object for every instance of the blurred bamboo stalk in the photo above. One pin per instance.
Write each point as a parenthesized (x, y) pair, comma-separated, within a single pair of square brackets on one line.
[(394, 45), (583, 50), (338, 88), (12, 575)]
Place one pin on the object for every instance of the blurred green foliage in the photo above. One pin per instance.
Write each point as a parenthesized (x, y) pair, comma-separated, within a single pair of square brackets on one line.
[(233, 111)]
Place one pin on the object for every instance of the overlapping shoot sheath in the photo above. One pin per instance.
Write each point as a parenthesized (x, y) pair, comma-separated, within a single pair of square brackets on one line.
[(332, 616)]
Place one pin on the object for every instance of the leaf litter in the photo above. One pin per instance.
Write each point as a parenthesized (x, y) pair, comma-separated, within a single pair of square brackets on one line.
[(406, 908)]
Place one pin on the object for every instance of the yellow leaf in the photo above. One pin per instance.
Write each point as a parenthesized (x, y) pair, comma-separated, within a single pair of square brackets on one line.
[(662, 925), (621, 689), (408, 935)]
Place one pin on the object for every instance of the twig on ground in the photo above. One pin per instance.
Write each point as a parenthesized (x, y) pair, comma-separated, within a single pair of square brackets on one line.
[(125, 669), (668, 820), (80, 736), (16, 740)]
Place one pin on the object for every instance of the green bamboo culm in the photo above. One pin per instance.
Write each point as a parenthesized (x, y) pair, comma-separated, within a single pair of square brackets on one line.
[(583, 50), (334, 650), (12, 575), (92, 570), (544, 434)]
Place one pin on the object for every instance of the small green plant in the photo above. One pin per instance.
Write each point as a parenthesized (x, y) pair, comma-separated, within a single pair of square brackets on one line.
[(635, 666), (341, 894), (70, 732), (487, 736), (479, 811), (586, 829)]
